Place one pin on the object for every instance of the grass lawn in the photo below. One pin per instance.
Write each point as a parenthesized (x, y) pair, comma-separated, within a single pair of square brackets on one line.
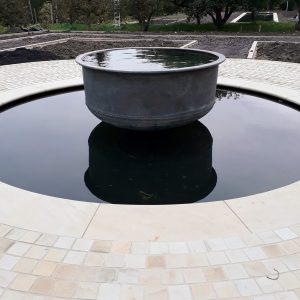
[(259, 26)]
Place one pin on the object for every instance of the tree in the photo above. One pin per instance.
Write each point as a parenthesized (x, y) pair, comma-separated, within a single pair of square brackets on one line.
[(219, 10), (298, 5), (196, 10), (145, 10), (14, 12)]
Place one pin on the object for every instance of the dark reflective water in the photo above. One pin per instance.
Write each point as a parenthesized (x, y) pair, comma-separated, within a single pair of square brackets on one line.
[(245, 145), (148, 59)]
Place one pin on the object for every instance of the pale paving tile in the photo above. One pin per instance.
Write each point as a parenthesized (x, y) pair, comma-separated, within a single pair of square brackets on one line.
[(129, 292), (30, 237), (255, 253), (114, 261), (86, 274), (158, 248), (176, 261), (5, 244), (94, 259), (82, 245), (216, 244), (290, 247), (64, 289), (2, 291), (66, 272), (269, 237), (286, 234), (265, 297), (22, 282), (156, 261), (12, 295), (214, 274), (74, 257), (289, 281), (56, 255), (234, 243), (275, 263), (35, 297), (247, 287), (194, 275), (197, 247), (225, 289), (179, 292), (155, 292), (178, 248), (135, 261), (44, 286), (37, 252), (173, 276), (252, 240), (286, 296), (129, 276), (217, 258), (196, 260), (255, 269), (294, 228), (203, 291), (105, 275), (15, 234), (109, 291), (237, 256), (6, 277), (292, 262), (150, 277), (7, 262), (297, 292), (235, 271), (25, 265), (273, 250), (4, 230), (44, 268), (101, 246), (47, 240), (140, 248), (87, 290), (18, 249), (268, 286), (64, 242), (120, 247), (297, 274)]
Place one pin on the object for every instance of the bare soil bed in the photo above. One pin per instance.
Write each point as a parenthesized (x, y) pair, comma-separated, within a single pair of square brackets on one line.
[(72, 48), (232, 46), (288, 52)]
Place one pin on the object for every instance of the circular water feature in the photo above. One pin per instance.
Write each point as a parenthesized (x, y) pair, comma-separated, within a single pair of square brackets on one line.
[(54, 146)]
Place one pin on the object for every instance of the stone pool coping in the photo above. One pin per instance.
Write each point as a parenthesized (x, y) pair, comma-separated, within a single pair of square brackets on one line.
[(52, 248), (267, 211)]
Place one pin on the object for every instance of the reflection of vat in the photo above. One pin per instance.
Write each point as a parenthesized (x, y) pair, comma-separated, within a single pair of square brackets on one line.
[(164, 167), (150, 88)]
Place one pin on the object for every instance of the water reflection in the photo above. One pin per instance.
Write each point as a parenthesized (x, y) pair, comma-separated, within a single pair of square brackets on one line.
[(226, 94), (133, 59), (165, 167)]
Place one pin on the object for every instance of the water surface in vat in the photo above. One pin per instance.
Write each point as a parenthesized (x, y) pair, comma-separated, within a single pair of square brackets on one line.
[(245, 145), (134, 59)]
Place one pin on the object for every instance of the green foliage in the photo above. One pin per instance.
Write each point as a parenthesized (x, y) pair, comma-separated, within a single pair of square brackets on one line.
[(285, 27), (14, 12), (145, 10)]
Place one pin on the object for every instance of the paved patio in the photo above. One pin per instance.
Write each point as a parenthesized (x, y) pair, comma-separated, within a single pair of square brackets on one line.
[(53, 248)]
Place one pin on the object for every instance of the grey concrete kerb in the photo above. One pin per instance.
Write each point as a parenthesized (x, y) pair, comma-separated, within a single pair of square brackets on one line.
[(268, 211)]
